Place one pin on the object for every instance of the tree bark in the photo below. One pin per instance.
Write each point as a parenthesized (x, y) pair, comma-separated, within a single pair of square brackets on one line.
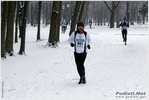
[(16, 22), (46, 14), (118, 16), (10, 27), (101, 15), (143, 16), (128, 12), (3, 28), (112, 10), (82, 10), (112, 19), (58, 23), (85, 15), (21, 3), (104, 16), (53, 24), (39, 17), (75, 16), (32, 15), (22, 46)]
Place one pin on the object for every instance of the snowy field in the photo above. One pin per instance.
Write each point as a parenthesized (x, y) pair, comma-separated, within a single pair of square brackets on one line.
[(50, 73)]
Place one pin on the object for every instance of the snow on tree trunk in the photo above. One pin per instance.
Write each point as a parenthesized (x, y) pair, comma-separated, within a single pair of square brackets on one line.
[(54, 25)]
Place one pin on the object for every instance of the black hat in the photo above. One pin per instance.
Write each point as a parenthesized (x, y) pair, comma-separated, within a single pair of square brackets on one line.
[(80, 24)]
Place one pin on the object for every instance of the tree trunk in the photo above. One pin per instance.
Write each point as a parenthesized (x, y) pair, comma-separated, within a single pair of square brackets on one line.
[(85, 15), (112, 10), (16, 22), (36, 13), (46, 14), (10, 27), (28, 15), (112, 15), (22, 46), (43, 12), (21, 3), (118, 16), (104, 17), (128, 11), (112, 19), (132, 17), (82, 10), (39, 17), (132, 20), (101, 15), (53, 24), (3, 28), (143, 18), (58, 23), (75, 16), (32, 15)]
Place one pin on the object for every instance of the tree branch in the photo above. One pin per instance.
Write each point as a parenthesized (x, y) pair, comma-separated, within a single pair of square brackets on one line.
[(116, 4), (108, 6)]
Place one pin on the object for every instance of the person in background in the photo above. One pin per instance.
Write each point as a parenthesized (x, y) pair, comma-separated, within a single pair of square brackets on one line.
[(64, 26), (80, 40), (124, 25), (90, 23)]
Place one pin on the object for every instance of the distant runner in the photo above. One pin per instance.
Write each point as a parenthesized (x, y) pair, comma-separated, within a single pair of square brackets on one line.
[(124, 26), (90, 23)]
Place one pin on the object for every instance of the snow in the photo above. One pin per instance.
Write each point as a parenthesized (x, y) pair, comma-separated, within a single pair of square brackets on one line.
[(50, 73)]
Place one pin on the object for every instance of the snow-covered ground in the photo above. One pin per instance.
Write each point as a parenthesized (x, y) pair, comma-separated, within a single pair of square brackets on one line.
[(50, 73)]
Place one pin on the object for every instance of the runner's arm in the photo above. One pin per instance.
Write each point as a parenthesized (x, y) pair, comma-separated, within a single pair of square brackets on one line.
[(71, 38)]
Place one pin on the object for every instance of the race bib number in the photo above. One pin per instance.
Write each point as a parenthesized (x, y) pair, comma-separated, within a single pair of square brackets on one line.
[(80, 42)]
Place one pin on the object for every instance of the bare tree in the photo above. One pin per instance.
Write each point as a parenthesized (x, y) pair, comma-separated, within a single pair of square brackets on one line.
[(82, 10), (47, 18), (112, 10), (46, 12), (58, 23), (23, 14), (85, 14), (133, 11), (21, 3), (3, 27), (144, 10), (98, 14), (10, 27), (16, 22), (54, 25), (118, 16), (39, 17), (101, 14), (34, 13), (128, 10), (75, 16)]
